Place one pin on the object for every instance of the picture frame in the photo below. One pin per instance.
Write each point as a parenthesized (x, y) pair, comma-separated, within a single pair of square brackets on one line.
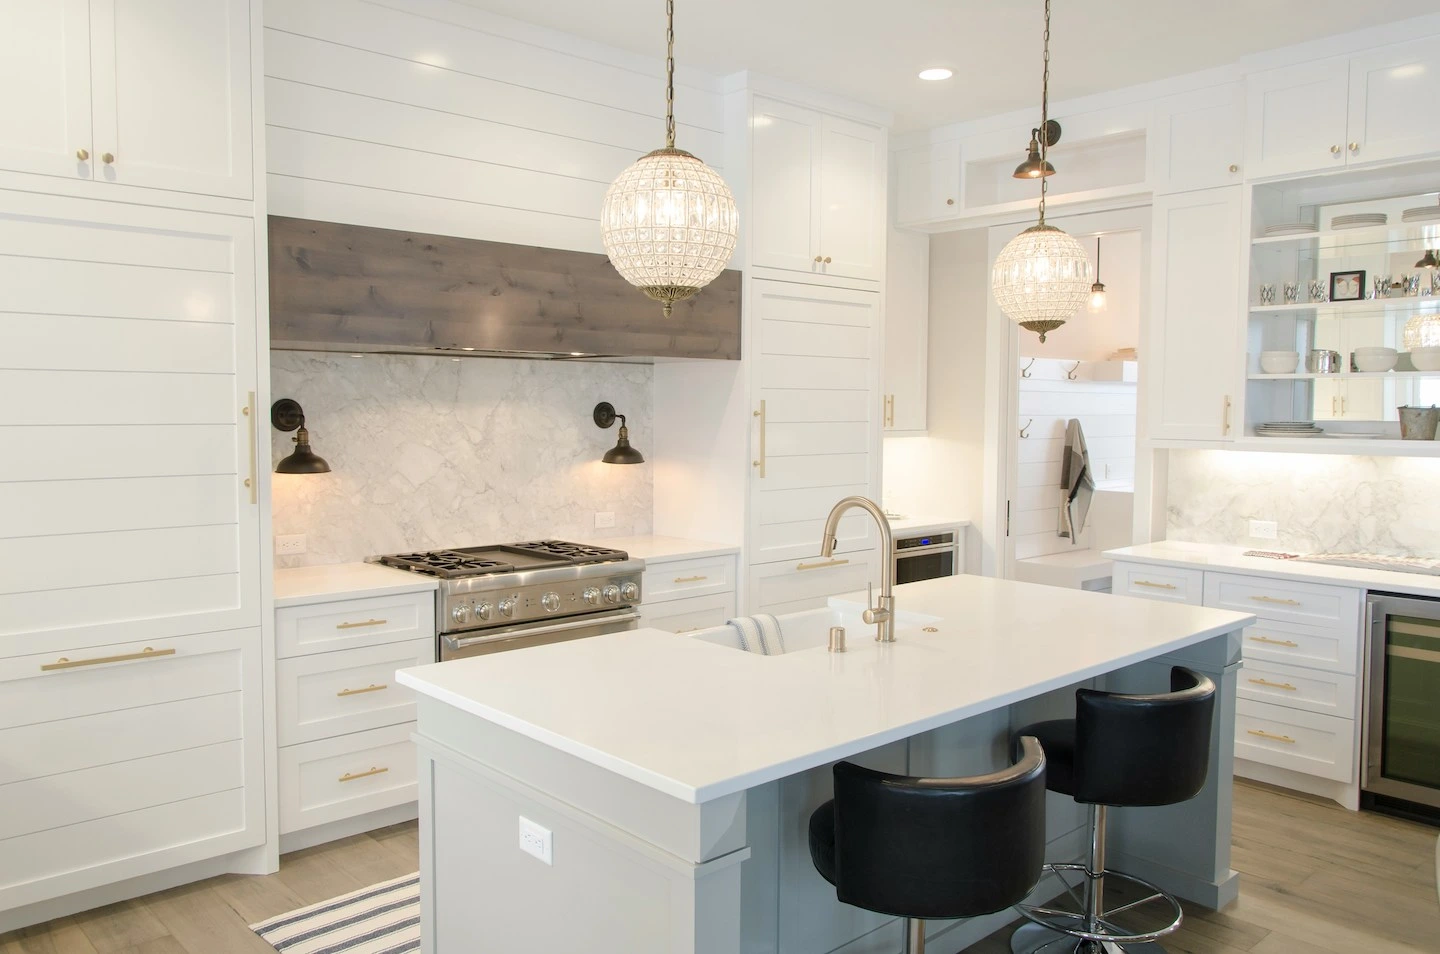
[(1347, 286)]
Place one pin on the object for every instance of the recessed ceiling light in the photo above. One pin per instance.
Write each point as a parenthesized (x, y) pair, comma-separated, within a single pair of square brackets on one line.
[(936, 73)]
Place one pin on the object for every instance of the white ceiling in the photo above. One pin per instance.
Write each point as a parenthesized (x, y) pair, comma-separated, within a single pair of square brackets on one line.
[(871, 50)]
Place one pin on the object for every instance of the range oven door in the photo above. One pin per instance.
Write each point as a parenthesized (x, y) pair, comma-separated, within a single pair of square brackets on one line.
[(1402, 712), (520, 636)]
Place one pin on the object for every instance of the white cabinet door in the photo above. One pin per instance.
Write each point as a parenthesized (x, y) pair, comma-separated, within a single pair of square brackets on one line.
[(852, 199), (1197, 316), (1394, 99), (1199, 140), (785, 227), (815, 397), (1296, 119), (172, 94), (927, 183), (45, 72), (907, 331)]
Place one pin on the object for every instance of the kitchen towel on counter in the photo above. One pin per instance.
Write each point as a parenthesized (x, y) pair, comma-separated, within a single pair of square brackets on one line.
[(759, 634)]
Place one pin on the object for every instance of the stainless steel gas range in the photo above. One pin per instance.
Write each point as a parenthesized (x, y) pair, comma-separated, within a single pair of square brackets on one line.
[(497, 598)]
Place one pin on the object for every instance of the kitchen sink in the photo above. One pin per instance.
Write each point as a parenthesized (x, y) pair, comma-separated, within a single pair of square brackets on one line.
[(810, 629)]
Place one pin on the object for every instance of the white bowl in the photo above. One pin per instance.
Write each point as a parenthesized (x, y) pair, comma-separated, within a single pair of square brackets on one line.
[(1280, 362), (1425, 359), (1376, 359)]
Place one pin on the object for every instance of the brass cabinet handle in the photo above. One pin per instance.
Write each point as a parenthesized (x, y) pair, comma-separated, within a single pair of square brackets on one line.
[(760, 464), (949, 201), (107, 158), (363, 622), (1234, 168), (821, 565), (1274, 642), (1158, 586), (818, 260), (352, 776), (370, 688), (690, 579), (82, 154), (1268, 735), (1334, 150), (248, 411), (1225, 418), (146, 653), (1275, 685), (1275, 600)]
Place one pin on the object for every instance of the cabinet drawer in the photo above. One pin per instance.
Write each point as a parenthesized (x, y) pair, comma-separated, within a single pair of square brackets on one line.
[(350, 775), (1286, 601), (1159, 583), (1329, 693), (1296, 644), (683, 616), (673, 581), (806, 584), (328, 694), (1294, 739), (322, 627)]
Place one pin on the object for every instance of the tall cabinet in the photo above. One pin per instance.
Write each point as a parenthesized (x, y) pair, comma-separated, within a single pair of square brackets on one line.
[(134, 559)]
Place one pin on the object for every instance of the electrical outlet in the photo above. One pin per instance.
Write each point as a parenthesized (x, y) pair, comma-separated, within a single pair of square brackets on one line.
[(604, 519), (1264, 529), (536, 840), (289, 544)]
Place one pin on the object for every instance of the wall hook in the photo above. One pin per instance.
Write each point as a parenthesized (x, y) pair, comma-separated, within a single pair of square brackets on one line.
[(1070, 375), (1025, 431), (1025, 371)]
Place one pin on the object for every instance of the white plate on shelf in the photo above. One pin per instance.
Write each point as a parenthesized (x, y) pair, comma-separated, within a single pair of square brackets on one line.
[(1425, 213), (1264, 433), (1292, 228), (1358, 223), (1353, 436)]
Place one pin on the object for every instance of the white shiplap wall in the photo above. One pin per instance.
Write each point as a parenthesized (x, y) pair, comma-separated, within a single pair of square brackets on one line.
[(433, 116), (1048, 400)]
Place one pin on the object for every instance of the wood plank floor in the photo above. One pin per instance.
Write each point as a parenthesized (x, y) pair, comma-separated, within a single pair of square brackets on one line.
[(1316, 878)]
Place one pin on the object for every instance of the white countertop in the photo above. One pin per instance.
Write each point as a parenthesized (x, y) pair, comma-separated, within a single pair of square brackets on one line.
[(911, 524), (344, 581), (1069, 568), (1210, 556), (699, 721), (666, 548)]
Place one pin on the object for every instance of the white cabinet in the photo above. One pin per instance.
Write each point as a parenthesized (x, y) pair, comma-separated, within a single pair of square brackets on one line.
[(819, 192), (1199, 140), (797, 585), (689, 614), (1394, 99), (927, 183), (907, 331), (1196, 316), (152, 93), (683, 594)]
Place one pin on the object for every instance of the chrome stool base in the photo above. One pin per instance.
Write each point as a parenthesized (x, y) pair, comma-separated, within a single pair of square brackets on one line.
[(1036, 939), (1061, 932)]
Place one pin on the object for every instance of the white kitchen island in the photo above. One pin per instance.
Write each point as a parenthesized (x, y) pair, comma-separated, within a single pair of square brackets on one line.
[(676, 776)]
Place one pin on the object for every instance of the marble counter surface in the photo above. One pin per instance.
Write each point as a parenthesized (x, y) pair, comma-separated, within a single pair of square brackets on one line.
[(698, 721), (648, 547), (345, 581)]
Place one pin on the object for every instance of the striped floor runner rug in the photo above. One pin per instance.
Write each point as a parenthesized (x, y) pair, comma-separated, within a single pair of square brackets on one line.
[(381, 919)]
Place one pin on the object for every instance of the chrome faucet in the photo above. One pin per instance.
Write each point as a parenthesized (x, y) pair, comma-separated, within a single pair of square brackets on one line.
[(883, 613)]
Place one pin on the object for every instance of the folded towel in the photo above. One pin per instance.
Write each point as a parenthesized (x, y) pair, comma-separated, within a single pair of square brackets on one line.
[(759, 634)]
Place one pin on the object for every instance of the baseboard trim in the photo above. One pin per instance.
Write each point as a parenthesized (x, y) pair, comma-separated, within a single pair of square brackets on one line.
[(1345, 794), (345, 827)]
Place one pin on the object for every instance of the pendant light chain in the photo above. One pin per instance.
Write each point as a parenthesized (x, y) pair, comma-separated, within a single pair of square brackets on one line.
[(1044, 111), (670, 73)]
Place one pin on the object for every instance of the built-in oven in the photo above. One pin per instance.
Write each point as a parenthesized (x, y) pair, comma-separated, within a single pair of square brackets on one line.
[(536, 633), (926, 556), (1401, 764)]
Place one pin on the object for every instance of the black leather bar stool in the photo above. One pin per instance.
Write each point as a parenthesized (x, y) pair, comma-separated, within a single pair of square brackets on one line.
[(922, 848), (1119, 750)]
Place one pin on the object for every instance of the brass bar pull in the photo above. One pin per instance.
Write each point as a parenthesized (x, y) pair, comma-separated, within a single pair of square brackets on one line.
[(821, 565), (690, 579), (1268, 735), (1158, 586), (352, 776), (761, 462), (1275, 685), (363, 622), (1274, 642), (146, 653), (1226, 419), (1275, 600), (249, 411), (370, 688)]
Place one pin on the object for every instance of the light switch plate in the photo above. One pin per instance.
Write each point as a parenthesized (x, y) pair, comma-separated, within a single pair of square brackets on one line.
[(604, 519), (289, 544), (537, 840), (1264, 529)]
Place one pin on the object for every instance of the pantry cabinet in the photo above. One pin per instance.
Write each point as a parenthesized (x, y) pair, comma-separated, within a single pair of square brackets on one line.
[(1394, 99), (45, 52), (927, 183), (907, 331), (1198, 140)]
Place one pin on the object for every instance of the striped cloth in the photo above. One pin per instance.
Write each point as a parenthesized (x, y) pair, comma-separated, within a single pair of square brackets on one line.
[(381, 919), (759, 634)]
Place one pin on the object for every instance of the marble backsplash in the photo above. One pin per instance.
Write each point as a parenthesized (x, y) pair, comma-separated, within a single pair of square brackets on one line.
[(428, 452), (1321, 502)]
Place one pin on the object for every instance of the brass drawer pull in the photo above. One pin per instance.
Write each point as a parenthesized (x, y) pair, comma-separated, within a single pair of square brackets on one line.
[(370, 688), (146, 653), (349, 777), (690, 579), (252, 483), (1158, 586), (363, 622), (1275, 600), (759, 464), (1274, 642), (821, 565), (1268, 735), (1275, 685)]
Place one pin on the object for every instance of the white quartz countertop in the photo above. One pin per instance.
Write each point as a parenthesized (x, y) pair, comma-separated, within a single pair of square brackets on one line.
[(666, 548), (1208, 556), (343, 581), (910, 524), (699, 721)]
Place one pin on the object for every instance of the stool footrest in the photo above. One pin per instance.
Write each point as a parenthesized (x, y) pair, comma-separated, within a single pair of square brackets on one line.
[(1076, 924)]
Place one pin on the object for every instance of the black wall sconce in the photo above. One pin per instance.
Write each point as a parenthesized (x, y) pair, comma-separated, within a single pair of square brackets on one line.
[(286, 415), (622, 452), (1036, 166)]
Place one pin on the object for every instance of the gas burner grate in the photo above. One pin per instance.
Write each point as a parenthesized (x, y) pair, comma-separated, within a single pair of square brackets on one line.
[(572, 552), (445, 563)]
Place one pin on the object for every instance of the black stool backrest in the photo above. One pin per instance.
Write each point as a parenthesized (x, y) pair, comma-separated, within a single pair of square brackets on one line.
[(1144, 750), (940, 847)]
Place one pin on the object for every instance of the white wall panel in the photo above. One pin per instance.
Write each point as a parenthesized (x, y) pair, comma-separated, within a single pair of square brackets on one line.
[(115, 344)]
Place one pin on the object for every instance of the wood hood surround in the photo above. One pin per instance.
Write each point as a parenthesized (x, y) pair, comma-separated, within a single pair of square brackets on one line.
[(353, 288)]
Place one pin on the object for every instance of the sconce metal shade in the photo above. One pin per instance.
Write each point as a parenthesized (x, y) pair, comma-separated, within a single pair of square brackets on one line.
[(622, 453), (286, 415), (1036, 166), (1429, 261)]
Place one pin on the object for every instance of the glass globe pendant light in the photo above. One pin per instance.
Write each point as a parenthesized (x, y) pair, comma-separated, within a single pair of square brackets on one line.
[(669, 221), (1041, 278)]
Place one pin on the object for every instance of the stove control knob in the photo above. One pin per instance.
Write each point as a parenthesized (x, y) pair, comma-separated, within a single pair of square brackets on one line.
[(629, 592), (461, 613), (612, 593), (592, 595), (483, 610), (551, 602), (507, 606)]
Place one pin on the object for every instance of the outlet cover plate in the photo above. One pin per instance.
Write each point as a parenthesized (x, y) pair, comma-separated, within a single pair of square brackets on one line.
[(1264, 529), (537, 840), (289, 544)]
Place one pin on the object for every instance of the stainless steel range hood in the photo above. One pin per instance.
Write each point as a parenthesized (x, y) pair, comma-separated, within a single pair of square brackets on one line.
[(360, 290)]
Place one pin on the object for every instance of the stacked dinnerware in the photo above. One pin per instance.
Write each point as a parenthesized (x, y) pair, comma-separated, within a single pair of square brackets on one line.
[(1288, 429), (1291, 228), (1424, 213), (1358, 220)]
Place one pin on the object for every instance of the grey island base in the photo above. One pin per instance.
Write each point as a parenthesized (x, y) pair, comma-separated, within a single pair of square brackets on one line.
[(669, 780)]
